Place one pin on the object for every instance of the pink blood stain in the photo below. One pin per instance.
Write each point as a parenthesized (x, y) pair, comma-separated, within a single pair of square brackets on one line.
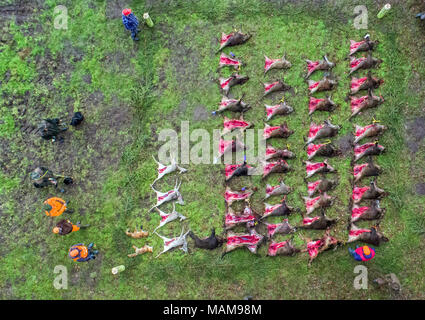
[(269, 63), (251, 239), (270, 189), (225, 103), (358, 169), (313, 185), (355, 62), (358, 192), (169, 242), (271, 165), (356, 83), (225, 82), (225, 38), (231, 168), (356, 103), (233, 124), (314, 167), (223, 145), (234, 219), (271, 229), (314, 85), (310, 203), (361, 149), (271, 109), (357, 212), (274, 246), (308, 221), (313, 248), (270, 209), (270, 150), (160, 198), (355, 233), (361, 131), (164, 217), (312, 65), (313, 103), (312, 148), (227, 61), (314, 129), (162, 170), (268, 131), (354, 45), (268, 87)]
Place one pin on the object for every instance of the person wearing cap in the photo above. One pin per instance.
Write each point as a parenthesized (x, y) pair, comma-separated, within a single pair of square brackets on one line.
[(80, 253), (364, 253), (65, 227), (43, 177), (54, 207), (131, 23)]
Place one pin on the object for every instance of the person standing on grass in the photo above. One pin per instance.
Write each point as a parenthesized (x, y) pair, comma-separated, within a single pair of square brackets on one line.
[(54, 207), (80, 253), (65, 227), (131, 23)]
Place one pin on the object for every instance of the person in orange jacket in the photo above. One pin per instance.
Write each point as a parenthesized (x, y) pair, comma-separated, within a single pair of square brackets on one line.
[(65, 227), (54, 207), (80, 253), (364, 253)]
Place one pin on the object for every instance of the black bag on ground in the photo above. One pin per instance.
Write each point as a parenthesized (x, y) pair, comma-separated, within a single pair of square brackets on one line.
[(77, 118)]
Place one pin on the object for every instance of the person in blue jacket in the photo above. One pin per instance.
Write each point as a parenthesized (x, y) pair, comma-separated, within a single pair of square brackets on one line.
[(131, 23)]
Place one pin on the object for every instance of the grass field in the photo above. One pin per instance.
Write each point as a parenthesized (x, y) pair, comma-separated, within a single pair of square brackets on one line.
[(130, 91)]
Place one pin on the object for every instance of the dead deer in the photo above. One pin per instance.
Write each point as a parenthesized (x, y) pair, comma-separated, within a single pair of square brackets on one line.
[(141, 250), (137, 234), (168, 217), (275, 86), (370, 236), (325, 130), (367, 193), (363, 63), (234, 105), (322, 150), (281, 131), (277, 210), (325, 84), (280, 189), (319, 202), (319, 222), (233, 39), (279, 228), (285, 248), (172, 195), (231, 125), (272, 153), (280, 109), (226, 61), (364, 45), (367, 149), (314, 247), (321, 186), (374, 212), (233, 80), (364, 170), (228, 146), (208, 243), (279, 166), (250, 241), (324, 64), (231, 196), (365, 83), (321, 105), (175, 242), (371, 130), (247, 217), (163, 169), (313, 168), (238, 170), (363, 103), (276, 64)]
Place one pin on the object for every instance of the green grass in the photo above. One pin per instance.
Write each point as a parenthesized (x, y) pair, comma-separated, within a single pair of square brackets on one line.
[(157, 83)]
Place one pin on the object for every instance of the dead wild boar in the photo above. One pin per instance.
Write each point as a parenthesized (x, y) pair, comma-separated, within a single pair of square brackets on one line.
[(325, 130), (230, 125), (367, 193), (319, 202), (279, 166), (275, 86), (320, 222), (285, 248), (363, 103), (321, 105), (365, 83), (374, 212), (322, 150), (281, 131), (367, 149), (313, 168), (276, 64), (371, 130), (320, 186), (323, 85), (364, 170), (277, 210), (226, 61), (314, 247), (280, 189), (364, 45), (279, 228), (370, 236), (233, 80), (234, 105), (238, 170), (279, 109), (250, 241), (273, 153), (363, 63)]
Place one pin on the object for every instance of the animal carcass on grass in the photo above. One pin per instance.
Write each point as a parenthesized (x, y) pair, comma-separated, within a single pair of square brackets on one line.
[(277, 210), (279, 228), (365, 83), (278, 190), (370, 236), (233, 39), (273, 153), (363, 103), (234, 105), (321, 105), (279, 166), (275, 86), (364, 45), (231, 125), (364, 170), (278, 109), (226, 61), (322, 150), (250, 241), (313, 66), (231, 196), (319, 202), (276, 64), (247, 217), (371, 130), (363, 63), (281, 131), (323, 85), (233, 80), (374, 212), (367, 149), (320, 186), (313, 168), (284, 248), (367, 193), (238, 170), (320, 131)]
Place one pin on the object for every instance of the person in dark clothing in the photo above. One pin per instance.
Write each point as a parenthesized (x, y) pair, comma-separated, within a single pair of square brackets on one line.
[(65, 227), (43, 177), (48, 129), (131, 23)]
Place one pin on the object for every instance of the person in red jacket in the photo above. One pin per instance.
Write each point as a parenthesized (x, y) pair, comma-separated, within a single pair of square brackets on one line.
[(364, 253)]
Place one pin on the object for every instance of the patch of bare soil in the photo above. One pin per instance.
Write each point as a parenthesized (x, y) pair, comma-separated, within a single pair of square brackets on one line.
[(345, 144), (200, 113), (415, 134), (420, 189)]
